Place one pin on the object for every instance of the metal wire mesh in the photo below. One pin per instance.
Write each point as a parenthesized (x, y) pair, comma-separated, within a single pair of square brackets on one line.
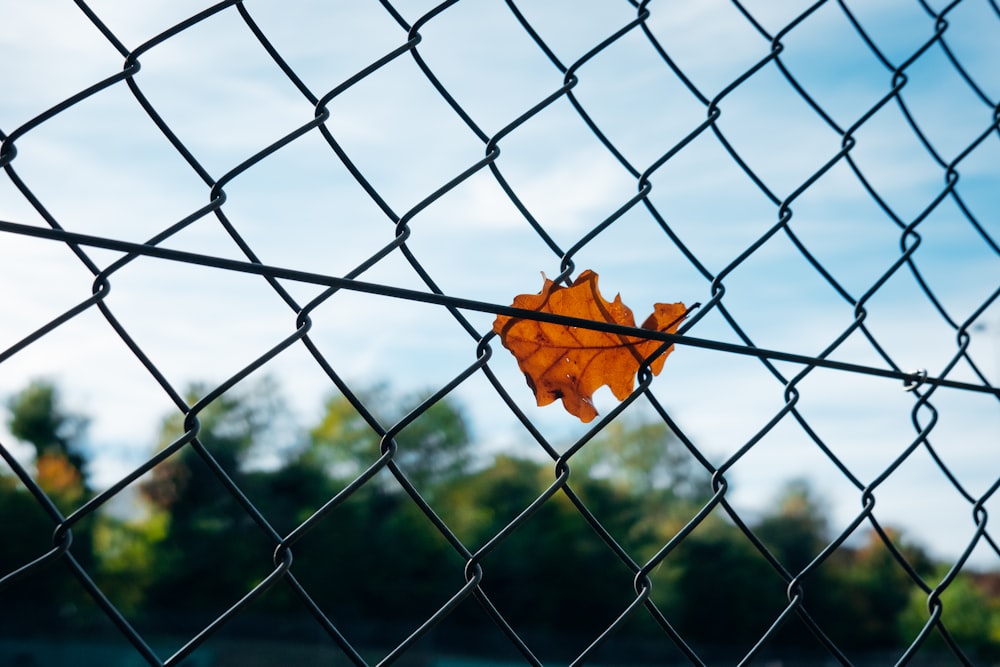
[(654, 167)]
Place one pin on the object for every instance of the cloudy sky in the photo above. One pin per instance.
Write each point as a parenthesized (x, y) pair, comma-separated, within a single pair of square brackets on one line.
[(103, 167)]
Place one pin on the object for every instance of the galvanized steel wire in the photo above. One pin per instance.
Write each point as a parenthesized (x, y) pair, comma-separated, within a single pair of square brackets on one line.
[(922, 384)]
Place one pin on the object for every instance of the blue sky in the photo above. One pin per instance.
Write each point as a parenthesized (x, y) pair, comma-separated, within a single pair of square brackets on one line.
[(103, 168)]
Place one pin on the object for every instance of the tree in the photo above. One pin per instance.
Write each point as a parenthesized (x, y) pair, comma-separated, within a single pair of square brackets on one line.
[(211, 551), (553, 573), (651, 483), (970, 612), (640, 456), (431, 449), (28, 535), (38, 417), (796, 530), (727, 594), (874, 589)]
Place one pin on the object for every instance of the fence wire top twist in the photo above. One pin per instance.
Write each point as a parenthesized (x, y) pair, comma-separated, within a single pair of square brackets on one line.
[(339, 195)]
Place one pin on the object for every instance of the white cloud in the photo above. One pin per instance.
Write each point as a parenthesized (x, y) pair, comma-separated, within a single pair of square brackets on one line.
[(102, 167)]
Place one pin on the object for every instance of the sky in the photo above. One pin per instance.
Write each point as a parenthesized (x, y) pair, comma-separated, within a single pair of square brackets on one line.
[(102, 167)]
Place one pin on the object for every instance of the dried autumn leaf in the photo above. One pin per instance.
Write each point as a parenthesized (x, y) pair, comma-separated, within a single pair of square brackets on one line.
[(571, 363)]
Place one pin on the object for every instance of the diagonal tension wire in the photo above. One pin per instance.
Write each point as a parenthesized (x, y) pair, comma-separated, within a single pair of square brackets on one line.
[(912, 378)]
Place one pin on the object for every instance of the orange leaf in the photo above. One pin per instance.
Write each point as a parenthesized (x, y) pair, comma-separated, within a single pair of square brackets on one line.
[(571, 363)]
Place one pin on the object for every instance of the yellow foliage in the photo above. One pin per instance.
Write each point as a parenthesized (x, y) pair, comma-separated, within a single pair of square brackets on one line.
[(56, 475)]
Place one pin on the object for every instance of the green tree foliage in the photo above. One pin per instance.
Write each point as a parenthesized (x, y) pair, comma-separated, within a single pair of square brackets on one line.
[(37, 416), (27, 536), (724, 587), (373, 559), (640, 457), (796, 530), (651, 484), (211, 551), (378, 532), (432, 447), (874, 588), (970, 610), (554, 549)]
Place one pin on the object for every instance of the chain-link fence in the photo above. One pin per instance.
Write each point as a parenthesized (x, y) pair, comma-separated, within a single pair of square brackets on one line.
[(383, 178)]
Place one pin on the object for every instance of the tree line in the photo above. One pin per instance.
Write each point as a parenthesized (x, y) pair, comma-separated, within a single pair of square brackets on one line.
[(377, 566)]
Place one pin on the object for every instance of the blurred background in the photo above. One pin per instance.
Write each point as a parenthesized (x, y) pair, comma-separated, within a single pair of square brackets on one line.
[(821, 178)]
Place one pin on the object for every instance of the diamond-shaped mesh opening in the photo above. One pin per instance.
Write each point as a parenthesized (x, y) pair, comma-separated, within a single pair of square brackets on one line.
[(255, 409)]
